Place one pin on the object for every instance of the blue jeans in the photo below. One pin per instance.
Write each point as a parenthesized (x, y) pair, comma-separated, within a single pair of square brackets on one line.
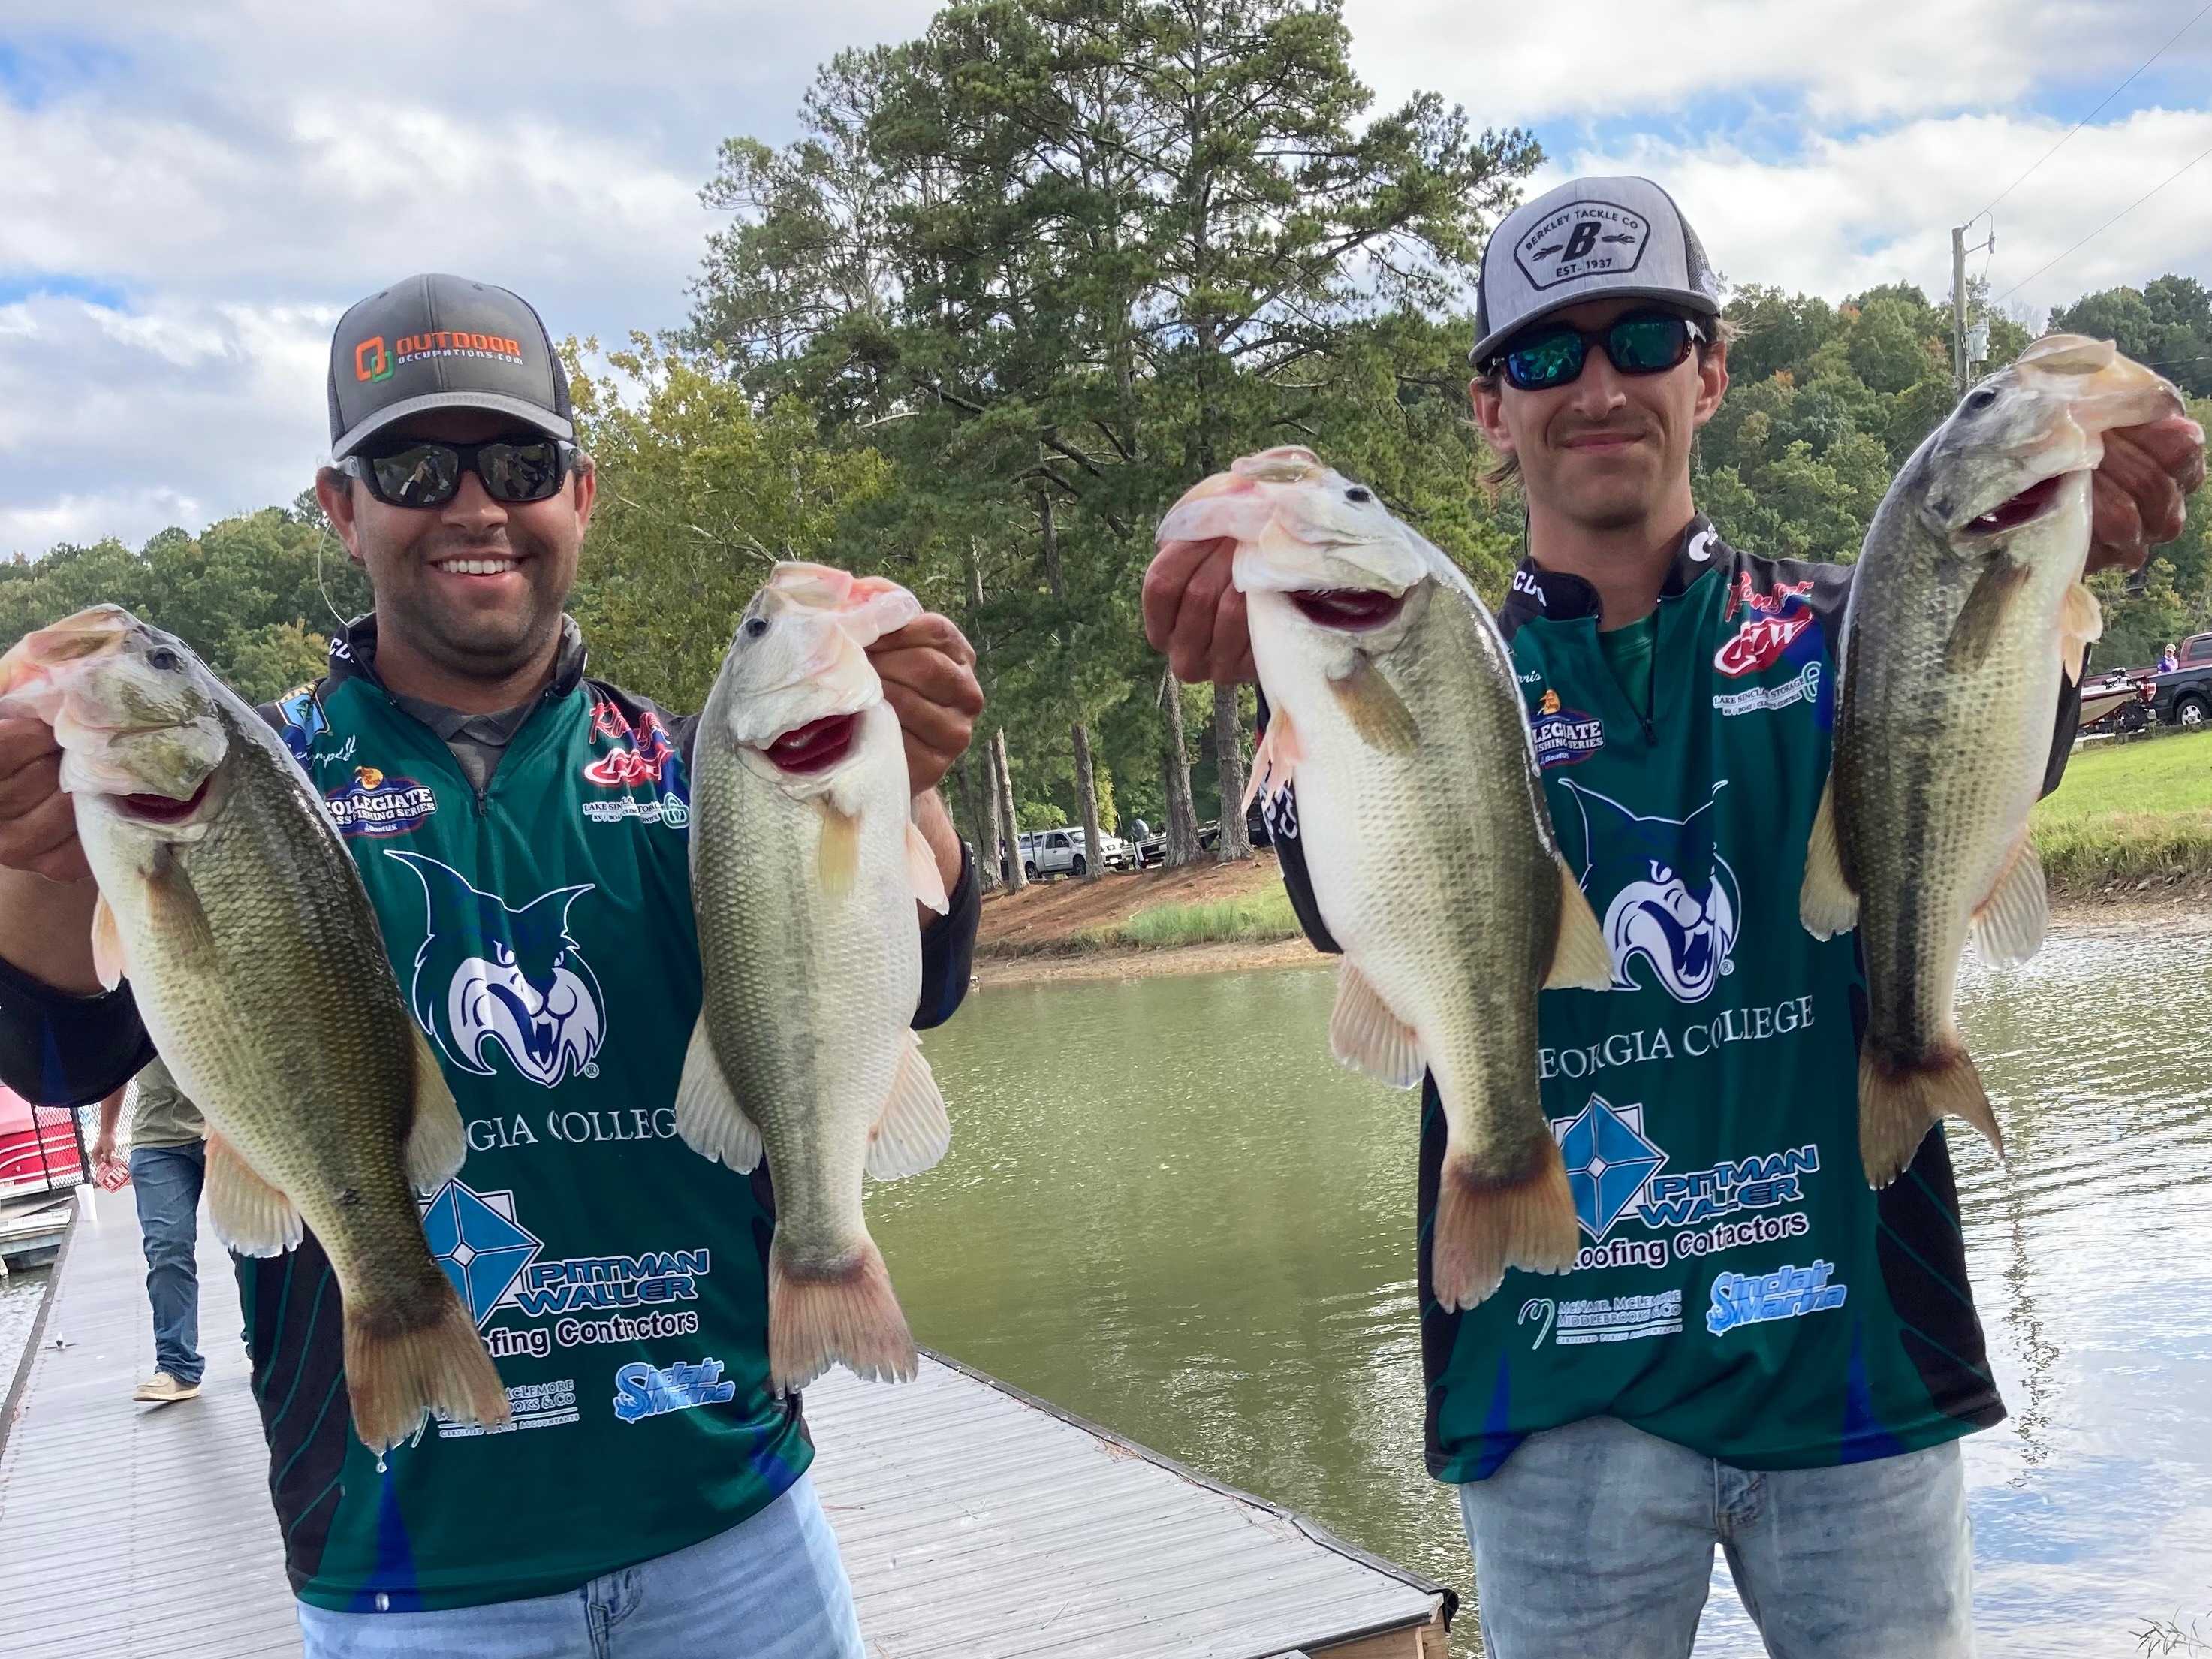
[(1598, 1539), (167, 1181), (772, 1587)]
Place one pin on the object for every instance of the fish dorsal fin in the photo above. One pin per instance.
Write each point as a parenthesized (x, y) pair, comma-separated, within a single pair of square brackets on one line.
[(707, 1115), (1981, 618), (1275, 761), (2081, 624), (1826, 902), (928, 880), (108, 960), (435, 1145), (2008, 926), (913, 1129), (1376, 710), (251, 1217), (840, 860), (1364, 1035), (1580, 960)]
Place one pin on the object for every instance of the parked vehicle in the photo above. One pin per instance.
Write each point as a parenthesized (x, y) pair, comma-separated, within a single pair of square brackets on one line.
[(1063, 852), (2183, 696), (2119, 701)]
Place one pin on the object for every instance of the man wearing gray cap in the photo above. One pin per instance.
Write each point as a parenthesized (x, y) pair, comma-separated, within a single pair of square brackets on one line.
[(1752, 1350), (522, 829)]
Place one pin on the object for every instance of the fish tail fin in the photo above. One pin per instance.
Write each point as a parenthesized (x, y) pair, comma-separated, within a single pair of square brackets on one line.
[(1899, 1102), (1827, 904), (404, 1361), (1580, 958), (1484, 1225), (820, 1315)]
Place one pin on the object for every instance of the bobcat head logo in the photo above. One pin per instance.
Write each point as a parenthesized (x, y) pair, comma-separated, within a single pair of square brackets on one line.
[(1669, 902), (493, 980)]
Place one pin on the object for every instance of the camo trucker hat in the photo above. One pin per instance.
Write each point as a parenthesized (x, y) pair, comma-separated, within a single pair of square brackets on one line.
[(1590, 239), (439, 341)]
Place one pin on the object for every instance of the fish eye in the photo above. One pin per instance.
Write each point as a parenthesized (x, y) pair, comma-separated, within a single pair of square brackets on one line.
[(755, 627), (1358, 493), (1981, 399), (162, 658)]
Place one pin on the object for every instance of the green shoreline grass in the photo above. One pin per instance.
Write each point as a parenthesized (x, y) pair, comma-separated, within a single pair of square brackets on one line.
[(2128, 813), (1253, 918)]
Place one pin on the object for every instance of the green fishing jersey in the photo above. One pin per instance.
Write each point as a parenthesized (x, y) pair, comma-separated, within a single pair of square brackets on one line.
[(1740, 1289), (542, 931)]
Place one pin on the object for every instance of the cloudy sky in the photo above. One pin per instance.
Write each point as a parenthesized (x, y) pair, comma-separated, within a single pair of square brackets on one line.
[(192, 193)]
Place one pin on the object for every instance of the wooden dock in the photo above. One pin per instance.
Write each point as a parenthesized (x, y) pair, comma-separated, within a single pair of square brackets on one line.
[(976, 1521)]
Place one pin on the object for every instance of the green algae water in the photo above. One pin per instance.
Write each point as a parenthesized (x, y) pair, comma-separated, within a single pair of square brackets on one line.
[(1166, 1209)]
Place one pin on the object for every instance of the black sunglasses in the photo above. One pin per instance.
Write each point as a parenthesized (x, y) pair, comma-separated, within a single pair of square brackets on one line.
[(425, 474), (1642, 343)]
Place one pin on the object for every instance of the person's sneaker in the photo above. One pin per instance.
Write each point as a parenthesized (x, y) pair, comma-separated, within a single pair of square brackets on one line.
[(161, 1388)]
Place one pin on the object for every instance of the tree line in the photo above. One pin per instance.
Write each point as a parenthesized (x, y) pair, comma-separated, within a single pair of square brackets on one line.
[(1021, 281)]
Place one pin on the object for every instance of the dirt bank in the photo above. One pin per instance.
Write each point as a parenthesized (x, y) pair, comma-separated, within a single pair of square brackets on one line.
[(1053, 917)]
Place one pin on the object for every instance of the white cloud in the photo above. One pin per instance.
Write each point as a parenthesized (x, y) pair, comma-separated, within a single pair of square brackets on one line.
[(203, 188), (1851, 214), (1602, 59)]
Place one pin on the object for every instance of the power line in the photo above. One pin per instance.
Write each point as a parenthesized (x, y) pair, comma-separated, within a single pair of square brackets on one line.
[(2100, 110), (2106, 226)]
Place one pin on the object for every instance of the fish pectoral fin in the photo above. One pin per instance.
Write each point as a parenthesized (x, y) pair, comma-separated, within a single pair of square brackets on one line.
[(1981, 618), (1376, 710), (1580, 960), (914, 1130), (1364, 1035), (2008, 926), (251, 1217), (108, 957), (1275, 760), (435, 1144), (921, 871), (707, 1115), (1826, 902), (2080, 622), (840, 857)]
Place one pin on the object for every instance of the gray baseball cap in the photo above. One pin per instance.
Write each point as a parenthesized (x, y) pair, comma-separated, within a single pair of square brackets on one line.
[(439, 341), (1590, 239)]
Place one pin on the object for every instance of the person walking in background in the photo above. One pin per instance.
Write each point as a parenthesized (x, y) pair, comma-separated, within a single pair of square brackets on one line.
[(168, 1163), (2168, 660)]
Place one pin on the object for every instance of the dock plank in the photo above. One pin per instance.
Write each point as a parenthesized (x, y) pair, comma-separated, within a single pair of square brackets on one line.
[(975, 1522)]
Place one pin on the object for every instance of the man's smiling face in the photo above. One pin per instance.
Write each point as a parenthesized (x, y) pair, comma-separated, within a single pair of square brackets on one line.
[(1605, 450), (476, 586)]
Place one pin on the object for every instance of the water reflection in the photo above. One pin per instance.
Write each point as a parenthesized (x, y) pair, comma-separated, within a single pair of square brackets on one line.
[(1167, 1210)]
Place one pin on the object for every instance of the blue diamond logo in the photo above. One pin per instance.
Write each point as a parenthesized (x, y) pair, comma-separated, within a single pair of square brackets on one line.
[(1609, 1160), (477, 1240)]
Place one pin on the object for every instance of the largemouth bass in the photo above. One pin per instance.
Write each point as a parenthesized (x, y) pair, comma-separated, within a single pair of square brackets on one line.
[(228, 902), (805, 869), (1394, 709), (1967, 615)]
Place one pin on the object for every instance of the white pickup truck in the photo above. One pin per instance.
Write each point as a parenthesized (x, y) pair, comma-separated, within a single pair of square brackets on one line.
[(1063, 852)]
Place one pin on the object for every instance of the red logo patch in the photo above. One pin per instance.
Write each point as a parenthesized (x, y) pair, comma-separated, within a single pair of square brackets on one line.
[(1760, 643), (1772, 603), (641, 754)]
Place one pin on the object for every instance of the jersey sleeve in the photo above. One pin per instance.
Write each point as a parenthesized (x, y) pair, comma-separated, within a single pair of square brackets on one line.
[(948, 948), (57, 1049)]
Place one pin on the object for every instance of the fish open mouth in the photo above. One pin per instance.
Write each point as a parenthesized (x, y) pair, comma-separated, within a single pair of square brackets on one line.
[(817, 746), (2031, 503), (1351, 608), (165, 809)]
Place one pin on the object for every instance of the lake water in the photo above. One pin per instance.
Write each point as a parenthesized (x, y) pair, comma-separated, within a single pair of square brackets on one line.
[(1167, 1210)]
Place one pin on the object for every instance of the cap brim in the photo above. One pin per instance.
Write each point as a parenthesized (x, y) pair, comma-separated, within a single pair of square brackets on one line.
[(1703, 304), (534, 415)]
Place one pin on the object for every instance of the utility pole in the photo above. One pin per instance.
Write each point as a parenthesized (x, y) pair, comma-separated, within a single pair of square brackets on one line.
[(1959, 369)]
